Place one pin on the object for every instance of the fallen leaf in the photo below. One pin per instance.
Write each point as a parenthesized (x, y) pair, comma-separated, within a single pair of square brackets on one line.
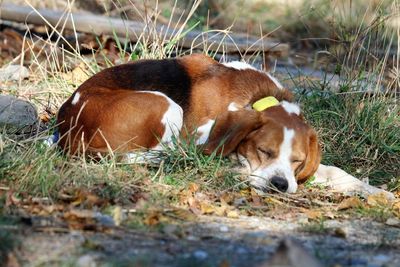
[(207, 208), (245, 192), (80, 219), (227, 197), (329, 215), (179, 214), (271, 200), (312, 214), (221, 211), (193, 187), (78, 75), (193, 203), (396, 208), (232, 214), (349, 203), (152, 218), (11, 199), (379, 199), (256, 200)]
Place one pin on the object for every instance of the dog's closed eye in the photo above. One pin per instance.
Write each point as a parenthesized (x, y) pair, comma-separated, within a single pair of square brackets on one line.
[(266, 152)]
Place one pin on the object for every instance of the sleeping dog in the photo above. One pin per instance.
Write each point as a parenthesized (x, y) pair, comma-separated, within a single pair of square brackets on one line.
[(229, 108)]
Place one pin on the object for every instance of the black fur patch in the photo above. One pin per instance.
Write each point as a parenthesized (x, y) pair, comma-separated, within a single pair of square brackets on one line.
[(167, 76)]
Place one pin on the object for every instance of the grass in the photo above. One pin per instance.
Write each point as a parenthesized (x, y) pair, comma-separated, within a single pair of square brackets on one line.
[(358, 129), (359, 134), (30, 166)]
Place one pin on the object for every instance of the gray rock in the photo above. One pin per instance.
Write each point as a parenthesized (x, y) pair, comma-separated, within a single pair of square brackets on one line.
[(17, 116), (13, 73)]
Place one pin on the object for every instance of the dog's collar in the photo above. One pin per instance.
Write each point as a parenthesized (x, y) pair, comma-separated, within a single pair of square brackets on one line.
[(264, 103)]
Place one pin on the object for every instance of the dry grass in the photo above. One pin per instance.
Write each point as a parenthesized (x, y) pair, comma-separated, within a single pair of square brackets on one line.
[(30, 166)]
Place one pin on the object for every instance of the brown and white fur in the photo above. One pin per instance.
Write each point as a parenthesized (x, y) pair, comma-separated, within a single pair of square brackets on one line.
[(144, 104)]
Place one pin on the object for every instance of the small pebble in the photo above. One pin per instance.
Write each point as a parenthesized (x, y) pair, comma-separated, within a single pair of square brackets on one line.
[(340, 232), (86, 261), (13, 73), (241, 250), (393, 222), (224, 228), (381, 259), (192, 238), (200, 254)]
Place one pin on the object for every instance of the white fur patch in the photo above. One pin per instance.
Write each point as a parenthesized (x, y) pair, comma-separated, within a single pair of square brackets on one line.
[(339, 180), (290, 107), (204, 131), (280, 167), (238, 65), (275, 81), (233, 107), (172, 120), (76, 98)]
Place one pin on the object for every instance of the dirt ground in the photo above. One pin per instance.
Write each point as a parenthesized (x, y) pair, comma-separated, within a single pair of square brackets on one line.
[(211, 241)]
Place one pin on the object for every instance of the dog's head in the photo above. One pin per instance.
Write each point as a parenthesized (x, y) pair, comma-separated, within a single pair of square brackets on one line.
[(276, 146)]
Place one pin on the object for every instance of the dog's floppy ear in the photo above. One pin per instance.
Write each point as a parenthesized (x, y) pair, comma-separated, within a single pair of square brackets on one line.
[(230, 129), (313, 158)]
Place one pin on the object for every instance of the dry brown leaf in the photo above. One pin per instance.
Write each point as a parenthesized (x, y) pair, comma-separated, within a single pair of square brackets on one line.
[(396, 208), (379, 199), (44, 117), (221, 211), (256, 200), (80, 219), (78, 75), (329, 214), (232, 214), (349, 203), (193, 203), (312, 214), (87, 199), (207, 208), (11, 199), (271, 200), (79, 214), (245, 192), (152, 218), (193, 187), (227, 197), (180, 214)]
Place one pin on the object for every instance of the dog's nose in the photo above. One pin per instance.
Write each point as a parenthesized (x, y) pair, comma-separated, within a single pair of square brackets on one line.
[(279, 183)]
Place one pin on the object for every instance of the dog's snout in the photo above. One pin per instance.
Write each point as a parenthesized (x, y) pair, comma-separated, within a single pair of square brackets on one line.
[(279, 183)]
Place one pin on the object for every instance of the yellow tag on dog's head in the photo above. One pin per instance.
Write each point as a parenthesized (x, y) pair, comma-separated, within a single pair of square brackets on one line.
[(265, 103)]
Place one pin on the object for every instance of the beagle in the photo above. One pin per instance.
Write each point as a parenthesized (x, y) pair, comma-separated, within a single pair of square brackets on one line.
[(147, 103)]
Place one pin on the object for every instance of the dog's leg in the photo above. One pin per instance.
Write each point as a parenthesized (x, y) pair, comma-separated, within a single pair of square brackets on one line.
[(341, 181)]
